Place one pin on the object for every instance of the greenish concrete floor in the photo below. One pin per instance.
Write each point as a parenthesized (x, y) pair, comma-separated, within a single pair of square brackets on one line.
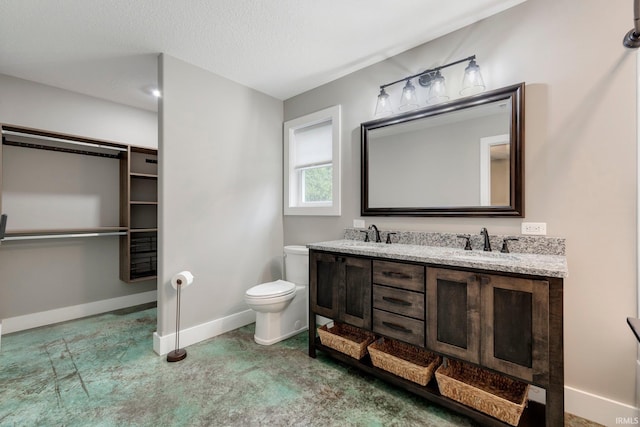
[(102, 371)]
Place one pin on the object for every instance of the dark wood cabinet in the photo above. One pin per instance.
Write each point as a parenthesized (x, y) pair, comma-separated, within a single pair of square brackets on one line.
[(453, 313), (508, 323), (499, 322), (515, 326), (340, 288), (323, 284)]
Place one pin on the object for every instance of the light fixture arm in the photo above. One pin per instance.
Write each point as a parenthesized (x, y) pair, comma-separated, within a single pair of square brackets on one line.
[(431, 71), (636, 16)]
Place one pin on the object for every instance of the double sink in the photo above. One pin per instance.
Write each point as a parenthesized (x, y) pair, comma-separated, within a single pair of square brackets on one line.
[(535, 264)]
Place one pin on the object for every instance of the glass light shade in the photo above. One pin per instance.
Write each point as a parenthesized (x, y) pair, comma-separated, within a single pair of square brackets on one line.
[(437, 90), (472, 82), (383, 106), (409, 100)]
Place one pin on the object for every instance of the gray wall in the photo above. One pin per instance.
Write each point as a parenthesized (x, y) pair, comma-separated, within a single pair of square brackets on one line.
[(220, 192), (580, 153), (49, 274)]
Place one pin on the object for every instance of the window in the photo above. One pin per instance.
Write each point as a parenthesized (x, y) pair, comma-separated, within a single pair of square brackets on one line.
[(312, 164)]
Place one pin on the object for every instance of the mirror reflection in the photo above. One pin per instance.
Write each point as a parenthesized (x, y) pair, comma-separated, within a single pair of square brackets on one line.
[(461, 158)]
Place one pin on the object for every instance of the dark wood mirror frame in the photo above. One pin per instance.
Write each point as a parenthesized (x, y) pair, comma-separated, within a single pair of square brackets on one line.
[(514, 95)]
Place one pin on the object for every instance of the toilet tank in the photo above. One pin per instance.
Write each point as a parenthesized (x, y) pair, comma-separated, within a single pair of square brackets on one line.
[(296, 264)]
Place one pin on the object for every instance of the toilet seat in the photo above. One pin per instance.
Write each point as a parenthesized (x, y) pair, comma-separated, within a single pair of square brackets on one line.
[(278, 288)]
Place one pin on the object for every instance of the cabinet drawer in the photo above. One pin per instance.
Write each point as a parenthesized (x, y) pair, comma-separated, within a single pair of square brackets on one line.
[(400, 327), (399, 275), (399, 301)]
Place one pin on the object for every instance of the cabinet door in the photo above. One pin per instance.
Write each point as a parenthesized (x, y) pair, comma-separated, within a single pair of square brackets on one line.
[(324, 275), (515, 326), (354, 292), (453, 313)]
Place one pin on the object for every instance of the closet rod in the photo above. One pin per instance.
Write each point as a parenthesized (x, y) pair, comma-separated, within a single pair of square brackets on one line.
[(66, 141), (62, 236), (59, 149)]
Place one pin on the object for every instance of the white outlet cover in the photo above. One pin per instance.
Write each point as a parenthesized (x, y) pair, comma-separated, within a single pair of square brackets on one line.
[(534, 228), (358, 223)]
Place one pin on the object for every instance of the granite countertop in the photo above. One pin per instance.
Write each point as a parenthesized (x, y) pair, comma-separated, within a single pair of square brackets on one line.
[(522, 263)]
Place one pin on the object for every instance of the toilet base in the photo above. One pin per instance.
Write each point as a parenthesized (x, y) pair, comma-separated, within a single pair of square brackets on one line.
[(275, 327), (261, 341)]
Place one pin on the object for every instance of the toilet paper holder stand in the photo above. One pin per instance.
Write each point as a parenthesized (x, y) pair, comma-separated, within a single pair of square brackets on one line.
[(178, 282)]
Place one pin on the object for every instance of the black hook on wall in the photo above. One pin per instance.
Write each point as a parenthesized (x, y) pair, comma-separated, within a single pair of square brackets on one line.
[(632, 38)]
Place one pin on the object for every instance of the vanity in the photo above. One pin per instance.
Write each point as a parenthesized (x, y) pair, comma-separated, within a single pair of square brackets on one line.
[(499, 311)]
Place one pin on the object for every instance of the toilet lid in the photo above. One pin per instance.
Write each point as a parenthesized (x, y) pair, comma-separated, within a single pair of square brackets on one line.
[(272, 289)]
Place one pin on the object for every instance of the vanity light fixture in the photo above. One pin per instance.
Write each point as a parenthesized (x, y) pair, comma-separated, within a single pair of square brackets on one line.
[(383, 107), (472, 82), (434, 82), (437, 89), (409, 99)]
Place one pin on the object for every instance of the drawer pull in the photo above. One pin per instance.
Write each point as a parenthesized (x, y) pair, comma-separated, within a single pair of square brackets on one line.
[(397, 327), (394, 274), (396, 301)]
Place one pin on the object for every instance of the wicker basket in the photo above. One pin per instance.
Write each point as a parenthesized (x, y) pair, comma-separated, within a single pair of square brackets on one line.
[(495, 395), (346, 339), (404, 360)]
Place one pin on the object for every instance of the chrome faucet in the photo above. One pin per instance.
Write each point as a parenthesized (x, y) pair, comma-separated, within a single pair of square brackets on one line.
[(487, 242), (377, 233)]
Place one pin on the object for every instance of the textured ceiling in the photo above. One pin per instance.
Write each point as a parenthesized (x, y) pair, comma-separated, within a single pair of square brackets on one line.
[(109, 48)]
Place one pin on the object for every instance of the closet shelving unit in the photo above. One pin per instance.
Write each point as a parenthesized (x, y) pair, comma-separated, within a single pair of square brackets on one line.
[(139, 211), (137, 226)]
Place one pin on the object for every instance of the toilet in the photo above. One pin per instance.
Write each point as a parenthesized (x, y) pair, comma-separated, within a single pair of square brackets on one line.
[(281, 306)]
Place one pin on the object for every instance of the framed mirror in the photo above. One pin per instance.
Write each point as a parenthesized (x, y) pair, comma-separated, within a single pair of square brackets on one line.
[(460, 158)]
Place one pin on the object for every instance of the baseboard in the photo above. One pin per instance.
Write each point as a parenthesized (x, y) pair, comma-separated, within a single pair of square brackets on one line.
[(166, 343), (43, 318), (599, 409)]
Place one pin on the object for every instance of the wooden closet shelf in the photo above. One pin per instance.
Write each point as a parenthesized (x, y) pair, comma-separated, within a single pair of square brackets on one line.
[(142, 202), (143, 175), (135, 278)]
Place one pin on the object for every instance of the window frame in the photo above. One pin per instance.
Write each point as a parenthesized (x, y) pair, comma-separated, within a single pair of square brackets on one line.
[(293, 176)]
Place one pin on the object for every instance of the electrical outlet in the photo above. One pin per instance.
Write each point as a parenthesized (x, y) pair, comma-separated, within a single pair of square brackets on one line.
[(358, 223), (536, 228)]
